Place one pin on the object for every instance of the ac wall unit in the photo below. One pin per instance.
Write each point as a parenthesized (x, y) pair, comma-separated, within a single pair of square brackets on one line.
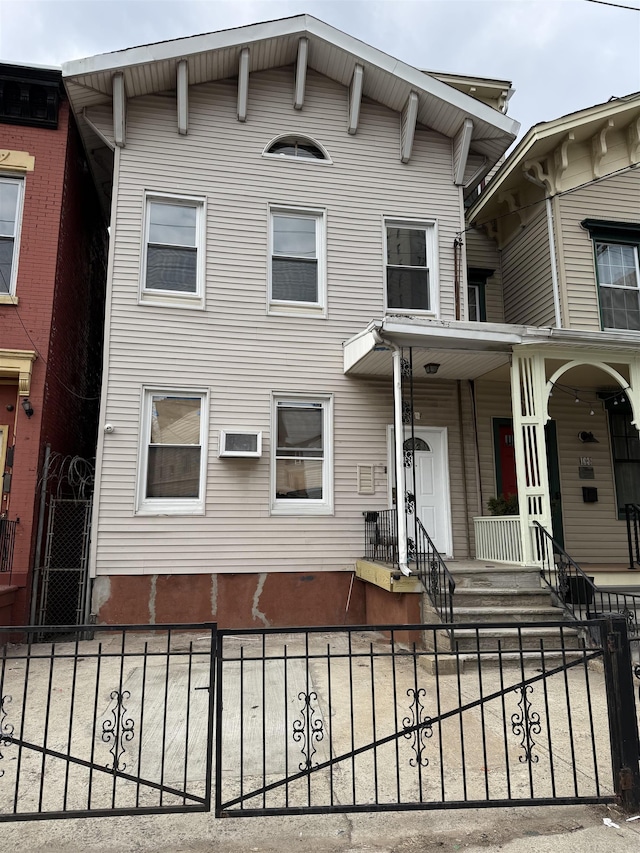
[(247, 444)]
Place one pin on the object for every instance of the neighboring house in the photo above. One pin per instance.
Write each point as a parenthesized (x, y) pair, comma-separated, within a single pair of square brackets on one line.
[(557, 232), (52, 259), (275, 189)]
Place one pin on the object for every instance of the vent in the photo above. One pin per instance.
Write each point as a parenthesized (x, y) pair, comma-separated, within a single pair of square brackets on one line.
[(366, 482), (240, 444)]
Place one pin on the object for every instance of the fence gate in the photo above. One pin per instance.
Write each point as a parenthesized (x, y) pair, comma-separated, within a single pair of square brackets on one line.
[(361, 719), (118, 724)]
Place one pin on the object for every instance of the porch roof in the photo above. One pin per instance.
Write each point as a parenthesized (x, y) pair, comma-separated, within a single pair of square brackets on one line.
[(468, 350)]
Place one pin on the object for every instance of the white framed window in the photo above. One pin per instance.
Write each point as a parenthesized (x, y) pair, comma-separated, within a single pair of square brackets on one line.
[(618, 274), (411, 266), (297, 279), (11, 197), (173, 256), (302, 455), (173, 452)]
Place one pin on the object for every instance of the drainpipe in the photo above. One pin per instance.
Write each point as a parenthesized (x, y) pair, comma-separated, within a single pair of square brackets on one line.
[(398, 429), (552, 248)]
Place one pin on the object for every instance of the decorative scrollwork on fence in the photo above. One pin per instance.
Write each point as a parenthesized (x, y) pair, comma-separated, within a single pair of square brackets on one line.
[(525, 724), (405, 368), (407, 458), (424, 731), (563, 580), (411, 549), (6, 729), (407, 412), (434, 578), (309, 729), (119, 730)]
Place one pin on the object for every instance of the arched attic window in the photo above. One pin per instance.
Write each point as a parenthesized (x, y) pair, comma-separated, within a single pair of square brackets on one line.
[(297, 148)]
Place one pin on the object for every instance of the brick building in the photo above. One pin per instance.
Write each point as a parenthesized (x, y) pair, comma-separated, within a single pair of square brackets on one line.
[(52, 271)]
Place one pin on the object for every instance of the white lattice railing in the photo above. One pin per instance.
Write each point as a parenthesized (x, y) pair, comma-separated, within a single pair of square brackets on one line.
[(498, 538)]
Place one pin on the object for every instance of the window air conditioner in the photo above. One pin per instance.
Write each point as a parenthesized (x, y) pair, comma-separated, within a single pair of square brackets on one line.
[(240, 444)]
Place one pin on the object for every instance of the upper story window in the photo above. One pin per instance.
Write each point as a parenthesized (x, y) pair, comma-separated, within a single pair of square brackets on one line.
[(173, 452), (300, 147), (11, 192), (410, 266), (616, 246), (297, 264), (173, 266), (476, 294)]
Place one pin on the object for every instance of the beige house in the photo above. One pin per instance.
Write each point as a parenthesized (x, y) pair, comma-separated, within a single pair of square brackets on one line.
[(288, 254)]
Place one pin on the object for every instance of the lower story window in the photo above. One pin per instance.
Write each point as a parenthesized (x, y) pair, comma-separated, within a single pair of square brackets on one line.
[(173, 452), (302, 456), (625, 450)]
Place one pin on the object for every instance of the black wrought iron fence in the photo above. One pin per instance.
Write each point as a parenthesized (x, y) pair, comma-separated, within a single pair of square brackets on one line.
[(352, 719), (434, 574), (632, 516), (576, 591), (118, 724), (381, 536), (7, 544)]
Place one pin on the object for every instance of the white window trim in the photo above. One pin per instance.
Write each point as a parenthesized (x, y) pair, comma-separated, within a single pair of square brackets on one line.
[(170, 506), (154, 296), (290, 307), (636, 255), (430, 227), (282, 506), (287, 158), (13, 179)]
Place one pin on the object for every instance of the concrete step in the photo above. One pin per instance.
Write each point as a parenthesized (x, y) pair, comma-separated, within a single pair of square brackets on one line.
[(518, 614), (511, 639), (451, 664), (486, 576), (501, 597)]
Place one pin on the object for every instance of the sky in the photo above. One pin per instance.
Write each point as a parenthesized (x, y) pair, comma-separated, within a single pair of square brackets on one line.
[(560, 55)]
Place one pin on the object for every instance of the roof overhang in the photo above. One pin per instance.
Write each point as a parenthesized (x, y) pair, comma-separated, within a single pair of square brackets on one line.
[(543, 139), (213, 56)]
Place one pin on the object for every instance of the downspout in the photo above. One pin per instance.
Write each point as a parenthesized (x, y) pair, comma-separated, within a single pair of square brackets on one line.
[(403, 561), (398, 430), (552, 248)]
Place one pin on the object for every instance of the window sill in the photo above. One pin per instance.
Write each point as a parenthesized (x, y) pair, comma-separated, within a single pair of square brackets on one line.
[(8, 299), (283, 309), (167, 300), (170, 510)]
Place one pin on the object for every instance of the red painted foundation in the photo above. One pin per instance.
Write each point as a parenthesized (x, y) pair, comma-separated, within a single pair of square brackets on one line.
[(275, 599)]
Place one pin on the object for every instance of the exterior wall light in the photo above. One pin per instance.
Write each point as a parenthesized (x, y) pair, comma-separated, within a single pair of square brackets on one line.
[(28, 408), (432, 368)]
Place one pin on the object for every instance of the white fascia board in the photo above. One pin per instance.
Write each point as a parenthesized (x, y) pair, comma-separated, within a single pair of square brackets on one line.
[(461, 336), (357, 347), (302, 25)]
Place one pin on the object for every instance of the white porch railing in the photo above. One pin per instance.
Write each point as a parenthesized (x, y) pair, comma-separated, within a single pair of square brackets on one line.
[(498, 538)]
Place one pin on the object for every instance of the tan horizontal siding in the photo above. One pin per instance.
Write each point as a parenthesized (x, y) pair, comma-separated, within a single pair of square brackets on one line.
[(616, 198), (483, 252), (235, 349), (526, 275)]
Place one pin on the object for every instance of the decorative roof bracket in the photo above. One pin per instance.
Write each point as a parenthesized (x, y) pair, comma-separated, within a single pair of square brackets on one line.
[(355, 98), (301, 73)]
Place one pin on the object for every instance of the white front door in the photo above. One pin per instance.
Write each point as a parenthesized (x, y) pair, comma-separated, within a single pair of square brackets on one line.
[(432, 502)]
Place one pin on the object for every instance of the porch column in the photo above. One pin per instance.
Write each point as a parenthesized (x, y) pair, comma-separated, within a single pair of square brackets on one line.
[(528, 401)]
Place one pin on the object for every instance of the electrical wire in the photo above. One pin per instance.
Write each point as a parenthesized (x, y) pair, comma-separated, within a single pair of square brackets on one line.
[(615, 5), (44, 361)]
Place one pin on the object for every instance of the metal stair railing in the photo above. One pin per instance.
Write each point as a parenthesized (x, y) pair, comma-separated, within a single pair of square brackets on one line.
[(432, 570), (576, 591), (632, 515)]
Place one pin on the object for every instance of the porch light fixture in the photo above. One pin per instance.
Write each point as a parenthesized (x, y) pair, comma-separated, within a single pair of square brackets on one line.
[(587, 437), (432, 368), (28, 408)]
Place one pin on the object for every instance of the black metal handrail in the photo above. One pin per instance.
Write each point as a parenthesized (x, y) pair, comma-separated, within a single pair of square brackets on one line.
[(7, 543), (632, 515), (381, 536), (580, 597), (434, 574)]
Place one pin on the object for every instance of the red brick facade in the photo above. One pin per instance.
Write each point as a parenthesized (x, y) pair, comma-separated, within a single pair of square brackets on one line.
[(59, 288)]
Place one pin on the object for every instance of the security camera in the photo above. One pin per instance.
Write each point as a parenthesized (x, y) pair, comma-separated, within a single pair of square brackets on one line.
[(108, 427)]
